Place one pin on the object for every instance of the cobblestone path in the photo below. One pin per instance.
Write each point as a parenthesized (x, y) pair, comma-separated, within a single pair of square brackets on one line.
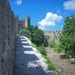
[(28, 60)]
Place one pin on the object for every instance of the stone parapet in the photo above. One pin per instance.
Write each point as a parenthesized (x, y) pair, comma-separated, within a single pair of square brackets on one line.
[(53, 31)]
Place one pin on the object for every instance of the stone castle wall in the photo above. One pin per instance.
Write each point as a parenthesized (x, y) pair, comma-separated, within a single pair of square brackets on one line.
[(52, 34), (23, 22), (7, 38), (54, 31)]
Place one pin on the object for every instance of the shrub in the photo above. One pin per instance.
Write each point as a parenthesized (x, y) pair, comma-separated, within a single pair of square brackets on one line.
[(58, 48), (25, 32), (42, 50), (50, 66), (33, 45), (52, 44), (45, 42)]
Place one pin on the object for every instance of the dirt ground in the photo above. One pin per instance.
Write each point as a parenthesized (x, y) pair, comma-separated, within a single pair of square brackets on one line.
[(62, 64)]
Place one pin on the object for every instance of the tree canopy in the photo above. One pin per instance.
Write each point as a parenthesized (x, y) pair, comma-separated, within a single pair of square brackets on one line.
[(37, 35), (25, 32), (67, 39)]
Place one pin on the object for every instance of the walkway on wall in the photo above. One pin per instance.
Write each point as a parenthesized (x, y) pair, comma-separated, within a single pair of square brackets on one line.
[(28, 60)]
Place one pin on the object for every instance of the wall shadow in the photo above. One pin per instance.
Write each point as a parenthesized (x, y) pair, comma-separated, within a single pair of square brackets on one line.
[(25, 61), (26, 44)]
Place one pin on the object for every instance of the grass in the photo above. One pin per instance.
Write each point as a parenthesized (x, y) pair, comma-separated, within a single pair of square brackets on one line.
[(33, 45), (48, 62), (51, 66), (52, 44), (43, 52)]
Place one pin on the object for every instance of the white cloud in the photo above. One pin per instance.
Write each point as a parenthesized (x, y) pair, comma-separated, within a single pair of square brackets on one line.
[(41, 27), (18, 2), (50, 19), (69, 5)]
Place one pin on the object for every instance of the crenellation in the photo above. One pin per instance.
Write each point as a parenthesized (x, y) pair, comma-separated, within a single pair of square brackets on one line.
[(23, 22), (53, 31), (52, 34)]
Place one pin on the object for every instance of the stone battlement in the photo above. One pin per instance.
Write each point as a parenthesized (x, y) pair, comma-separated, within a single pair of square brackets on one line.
[(22, 19), (22, 22), (53, 31)]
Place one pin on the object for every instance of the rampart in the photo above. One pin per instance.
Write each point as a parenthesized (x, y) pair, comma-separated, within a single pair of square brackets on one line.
[(53, 31), (7, 38), (52, 35)]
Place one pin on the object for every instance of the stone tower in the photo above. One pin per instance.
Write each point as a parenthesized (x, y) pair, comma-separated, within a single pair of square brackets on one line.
[(23, 22), (28, 20)]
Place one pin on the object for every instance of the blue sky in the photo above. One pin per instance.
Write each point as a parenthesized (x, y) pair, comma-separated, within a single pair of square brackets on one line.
[(47, 14)]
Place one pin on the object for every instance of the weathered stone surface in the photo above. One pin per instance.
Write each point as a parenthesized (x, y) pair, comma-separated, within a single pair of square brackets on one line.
[(7, 38)]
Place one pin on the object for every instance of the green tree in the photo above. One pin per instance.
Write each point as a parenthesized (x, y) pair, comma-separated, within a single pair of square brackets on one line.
[(38, 37), (46, 41), (31, 28), (67, 39), (28, 20)]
